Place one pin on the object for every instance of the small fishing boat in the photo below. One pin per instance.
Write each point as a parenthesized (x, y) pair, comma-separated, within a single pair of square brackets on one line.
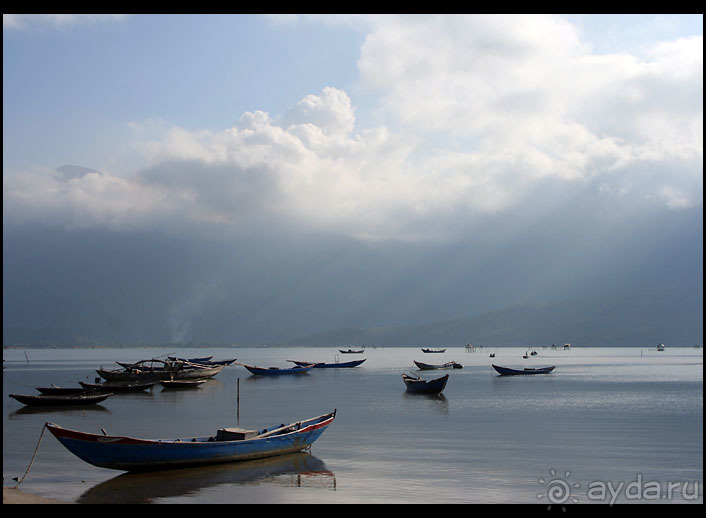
[(506, 371), (158, 370), (351, 351), (276, 371), (227, 445), (428, 366), (337, 365), (205, 360), (433, 350), (420, 386), (61, 391), (84, 398), (177, 384), (660, 347), (117, 386)]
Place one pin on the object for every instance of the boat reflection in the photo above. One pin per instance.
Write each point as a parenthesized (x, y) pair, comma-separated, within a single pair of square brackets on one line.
[(65, 409), (436, 402), (293, 470)]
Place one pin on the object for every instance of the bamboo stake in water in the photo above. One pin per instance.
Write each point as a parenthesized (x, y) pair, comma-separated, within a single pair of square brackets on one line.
[(238, 401)]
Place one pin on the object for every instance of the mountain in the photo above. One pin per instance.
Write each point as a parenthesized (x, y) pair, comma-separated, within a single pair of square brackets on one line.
[(635, 283)]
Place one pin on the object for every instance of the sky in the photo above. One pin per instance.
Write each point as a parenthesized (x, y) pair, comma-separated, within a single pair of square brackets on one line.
[(378, 127), (426, 166)]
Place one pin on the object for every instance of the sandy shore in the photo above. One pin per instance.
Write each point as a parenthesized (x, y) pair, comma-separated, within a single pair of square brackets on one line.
[(15, 496)]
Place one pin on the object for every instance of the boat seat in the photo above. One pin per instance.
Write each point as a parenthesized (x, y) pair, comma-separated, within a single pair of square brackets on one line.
[(234, 434)]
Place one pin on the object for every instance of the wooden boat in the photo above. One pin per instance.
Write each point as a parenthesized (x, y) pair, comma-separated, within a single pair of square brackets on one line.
[(206, 360), (337, 365), (117, 386), (506, 371), (175, 384), (227, 445), (351, 351), (158, 370), (433, 350), (84, 398), (276, 371), (447, 365), (61, 391), (420, 386)]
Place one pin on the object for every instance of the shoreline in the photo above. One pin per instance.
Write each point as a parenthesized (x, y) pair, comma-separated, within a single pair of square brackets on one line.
[(11, 495)]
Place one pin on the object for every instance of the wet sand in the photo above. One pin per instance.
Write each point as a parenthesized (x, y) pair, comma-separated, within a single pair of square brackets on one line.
[(15, 496)]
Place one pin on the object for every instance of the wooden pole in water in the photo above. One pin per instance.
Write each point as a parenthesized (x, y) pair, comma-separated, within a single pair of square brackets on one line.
[(238, 400)]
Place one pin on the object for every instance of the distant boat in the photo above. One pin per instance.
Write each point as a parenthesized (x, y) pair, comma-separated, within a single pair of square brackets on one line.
[(117, 386), (433, 350), (506, 371), (158, 370), (177, 384), (227, 445), (492, 355), (337, 365), (276, 371), (205, 360), (660, 347), (66, 400), (447, 365), (351, 351), (418, 385), (61, 391)]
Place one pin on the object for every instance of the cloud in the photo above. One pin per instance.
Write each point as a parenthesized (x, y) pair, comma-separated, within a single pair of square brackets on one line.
[(484, 116), (24, 21)]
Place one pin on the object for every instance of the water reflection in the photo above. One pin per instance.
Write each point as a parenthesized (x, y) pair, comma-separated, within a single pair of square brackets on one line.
[(437, 402), (66, 409), (293, 470)]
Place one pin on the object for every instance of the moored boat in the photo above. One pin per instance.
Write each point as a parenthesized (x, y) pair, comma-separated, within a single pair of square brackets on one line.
[(506, 371), (118, 386), (84, 398), (158, 370), (176, 384), (337, 365), (276, 371), (227, 445), (205, 360), (433, 350), (351, 351), (420, 386), (61, 391), (428, 366)]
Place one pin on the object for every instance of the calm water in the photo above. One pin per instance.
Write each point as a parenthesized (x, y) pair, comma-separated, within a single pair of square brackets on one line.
[(619, 421)]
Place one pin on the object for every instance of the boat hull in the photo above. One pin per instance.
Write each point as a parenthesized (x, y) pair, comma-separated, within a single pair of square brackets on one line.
[(52, 400), (428, 367), (159, 374), (118, 386), (130, 454), (262, 371), (505, 371), (341, 365), (419, 386)]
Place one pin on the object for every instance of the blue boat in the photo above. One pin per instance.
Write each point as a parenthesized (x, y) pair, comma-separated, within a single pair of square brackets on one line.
[(420, 386), (228, 445), (506, 371), (276, 371), (337, 365)]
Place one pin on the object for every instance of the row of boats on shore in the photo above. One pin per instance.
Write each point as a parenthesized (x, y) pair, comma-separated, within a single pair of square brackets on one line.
[(227, 444)]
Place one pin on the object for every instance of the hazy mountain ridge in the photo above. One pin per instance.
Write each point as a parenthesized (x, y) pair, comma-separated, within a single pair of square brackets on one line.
[(89, 286)]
